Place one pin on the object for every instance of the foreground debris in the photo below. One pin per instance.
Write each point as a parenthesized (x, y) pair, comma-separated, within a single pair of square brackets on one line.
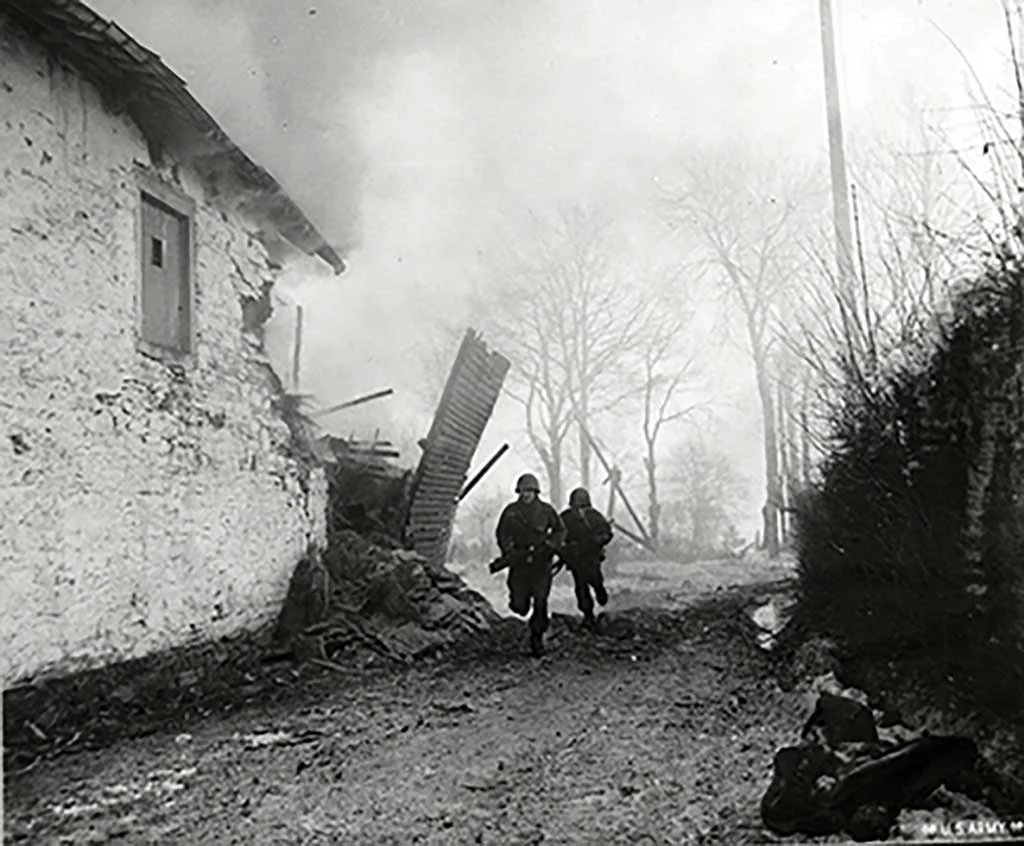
[(849, 775), (843, 777), (372, 594)]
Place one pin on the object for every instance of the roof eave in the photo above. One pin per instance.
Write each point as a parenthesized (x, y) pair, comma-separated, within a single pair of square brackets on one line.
[(122, 70)]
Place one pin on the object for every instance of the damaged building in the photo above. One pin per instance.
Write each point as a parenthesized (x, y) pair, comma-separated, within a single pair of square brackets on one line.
[(153, 493)]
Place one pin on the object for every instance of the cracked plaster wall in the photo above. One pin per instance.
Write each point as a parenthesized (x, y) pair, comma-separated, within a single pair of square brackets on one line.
[(144, 506)]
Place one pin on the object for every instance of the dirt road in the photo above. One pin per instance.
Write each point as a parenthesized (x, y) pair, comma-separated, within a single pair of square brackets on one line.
[(661, 730)]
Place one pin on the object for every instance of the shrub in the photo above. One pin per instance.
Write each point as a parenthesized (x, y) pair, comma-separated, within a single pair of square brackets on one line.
[(909, 546)]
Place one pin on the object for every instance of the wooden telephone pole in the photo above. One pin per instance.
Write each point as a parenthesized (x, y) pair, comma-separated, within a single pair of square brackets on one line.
[(837, 161)]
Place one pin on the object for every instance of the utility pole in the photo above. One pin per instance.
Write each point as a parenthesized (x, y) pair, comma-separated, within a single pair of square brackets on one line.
[(837, 160)]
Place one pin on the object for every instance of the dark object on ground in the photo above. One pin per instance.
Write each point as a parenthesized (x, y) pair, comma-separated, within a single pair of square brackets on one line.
[(906, 776), (796, 801), (306, 602), (816, 788), (870, 822), (840, 720)]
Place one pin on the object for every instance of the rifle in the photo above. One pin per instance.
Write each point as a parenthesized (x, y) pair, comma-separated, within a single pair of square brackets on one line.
[(503, 561), (523, 555)]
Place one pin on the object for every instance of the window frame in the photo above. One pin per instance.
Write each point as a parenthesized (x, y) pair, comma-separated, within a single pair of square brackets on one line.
[(149, 188)]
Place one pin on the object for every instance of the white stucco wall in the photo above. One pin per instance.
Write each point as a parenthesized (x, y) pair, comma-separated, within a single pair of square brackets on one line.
[(141, 509)]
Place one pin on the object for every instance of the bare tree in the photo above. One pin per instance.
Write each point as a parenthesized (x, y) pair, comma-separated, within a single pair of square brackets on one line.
[(538, 384), (927, 226), (668, 365), (706, 488), (790, 377), (917, 233), (920, 230), (747, 221), (598, 321), (1002, 146), (567, 319), (1003, 190)]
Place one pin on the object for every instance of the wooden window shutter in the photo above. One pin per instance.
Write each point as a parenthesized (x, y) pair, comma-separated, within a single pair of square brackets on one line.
[(166, 284)]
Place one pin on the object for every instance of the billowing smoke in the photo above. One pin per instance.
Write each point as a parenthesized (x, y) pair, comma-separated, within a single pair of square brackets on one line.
[(513, 101), (413, 131), (292, 82)]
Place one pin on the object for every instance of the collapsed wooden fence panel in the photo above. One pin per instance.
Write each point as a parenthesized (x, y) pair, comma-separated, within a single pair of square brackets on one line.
[(462, 415)]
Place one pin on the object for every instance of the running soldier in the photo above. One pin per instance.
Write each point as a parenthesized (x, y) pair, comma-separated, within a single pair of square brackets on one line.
[(529, 535), (588, 533)]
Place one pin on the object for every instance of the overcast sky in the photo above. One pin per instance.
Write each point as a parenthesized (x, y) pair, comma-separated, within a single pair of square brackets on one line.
[(410, 130)]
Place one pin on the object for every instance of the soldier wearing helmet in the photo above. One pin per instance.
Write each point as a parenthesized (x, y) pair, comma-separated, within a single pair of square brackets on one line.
[(529, 535), (587, 534)]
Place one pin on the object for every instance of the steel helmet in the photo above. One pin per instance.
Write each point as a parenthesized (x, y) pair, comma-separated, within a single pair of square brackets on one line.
[(579, 498), (527, 482)]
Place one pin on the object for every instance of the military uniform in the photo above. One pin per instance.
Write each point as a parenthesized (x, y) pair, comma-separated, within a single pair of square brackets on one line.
[(587, 534), (530, 534)]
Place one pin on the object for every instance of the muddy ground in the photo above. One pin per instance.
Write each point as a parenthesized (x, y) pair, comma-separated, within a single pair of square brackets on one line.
[(646, 583), (659, 730)]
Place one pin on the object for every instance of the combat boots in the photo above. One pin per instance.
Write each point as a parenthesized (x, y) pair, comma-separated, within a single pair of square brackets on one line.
[(536, 644)]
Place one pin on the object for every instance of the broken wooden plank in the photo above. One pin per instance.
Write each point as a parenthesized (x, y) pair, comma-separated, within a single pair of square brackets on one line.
[(357, 401), (380, 453), (483, 471), (614, 480), (635, 538)]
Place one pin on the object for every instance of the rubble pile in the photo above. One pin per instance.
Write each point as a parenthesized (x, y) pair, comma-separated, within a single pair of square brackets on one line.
[(372, 594), (849, 775)]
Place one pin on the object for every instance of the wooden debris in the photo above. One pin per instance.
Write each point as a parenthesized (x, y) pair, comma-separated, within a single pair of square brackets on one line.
[(390, 601), (472, 483), (357, 401), (463, 412)]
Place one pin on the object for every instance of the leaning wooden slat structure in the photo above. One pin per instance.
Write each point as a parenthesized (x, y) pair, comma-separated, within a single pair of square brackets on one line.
[(465, 408)]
